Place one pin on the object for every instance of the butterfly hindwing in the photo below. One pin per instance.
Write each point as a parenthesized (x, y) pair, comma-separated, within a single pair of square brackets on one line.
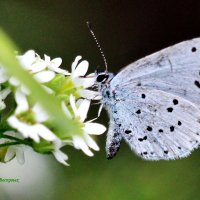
[(156, 124)]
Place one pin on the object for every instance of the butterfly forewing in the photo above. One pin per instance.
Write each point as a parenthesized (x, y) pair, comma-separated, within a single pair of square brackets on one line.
[(183, 55)]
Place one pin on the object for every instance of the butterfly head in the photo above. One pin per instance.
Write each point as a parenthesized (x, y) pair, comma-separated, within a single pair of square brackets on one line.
[(103, 77)]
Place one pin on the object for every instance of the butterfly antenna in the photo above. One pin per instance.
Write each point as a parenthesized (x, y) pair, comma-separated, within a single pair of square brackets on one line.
[(98, 45)]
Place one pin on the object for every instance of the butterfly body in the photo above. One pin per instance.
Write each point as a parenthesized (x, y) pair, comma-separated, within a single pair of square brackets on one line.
[(153, 103)]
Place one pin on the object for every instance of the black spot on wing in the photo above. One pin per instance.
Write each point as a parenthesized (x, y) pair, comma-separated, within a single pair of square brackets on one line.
[(175, 101), (194, 49), (170, 109), (197, 83), (141, 139), (171, 128), (145, 137), (179, 123), (166, 152), (149, 128), (128, 131), (138, 111)]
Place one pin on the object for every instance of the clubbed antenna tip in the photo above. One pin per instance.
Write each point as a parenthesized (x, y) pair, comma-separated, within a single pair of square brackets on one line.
[(89, 25)]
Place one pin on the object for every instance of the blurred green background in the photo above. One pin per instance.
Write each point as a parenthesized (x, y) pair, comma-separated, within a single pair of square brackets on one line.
[(127, 31)]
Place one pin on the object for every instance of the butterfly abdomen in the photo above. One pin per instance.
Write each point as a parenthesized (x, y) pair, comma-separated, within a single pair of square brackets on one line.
[(114, 145)]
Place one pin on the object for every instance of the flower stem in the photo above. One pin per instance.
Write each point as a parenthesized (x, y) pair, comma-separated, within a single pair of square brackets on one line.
[(9, 144), (19, 141)]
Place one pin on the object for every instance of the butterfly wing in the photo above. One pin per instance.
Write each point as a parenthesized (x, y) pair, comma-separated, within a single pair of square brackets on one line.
[(175, 70), (157, 101), (157, 125)]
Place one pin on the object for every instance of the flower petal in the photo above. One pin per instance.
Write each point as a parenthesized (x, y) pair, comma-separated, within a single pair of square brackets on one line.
[(73, 104), (23, 128), (27, 59), (47, 59), (2, 104), (44, 76), (13, 81), (38, 66), (79, 102), (83, 109), (85, 82), (31, 134), (55, 63), (79, 143), (25, 90), (21, 100), (10, 154), (89, 81), (94, 128), (47, 89), (40, 114), (61, 71), (3, 75), (78, 82), (4, 93), (20, 155), (90, 142), (42, 131), (66, 110), (81, 69), (89, 94), (61, 157), (74, 64)]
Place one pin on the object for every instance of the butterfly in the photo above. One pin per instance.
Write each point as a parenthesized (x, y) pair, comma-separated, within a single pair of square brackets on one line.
[(154, 103)]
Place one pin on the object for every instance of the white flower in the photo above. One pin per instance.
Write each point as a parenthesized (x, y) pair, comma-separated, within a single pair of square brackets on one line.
[(31, 62), (14, 150), (33, 130), (54, 65), (84, 141), (78, 72), (43, 70)]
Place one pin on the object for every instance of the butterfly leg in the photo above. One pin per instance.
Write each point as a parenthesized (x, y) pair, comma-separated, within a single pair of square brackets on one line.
[(113, 141), (98, 115)]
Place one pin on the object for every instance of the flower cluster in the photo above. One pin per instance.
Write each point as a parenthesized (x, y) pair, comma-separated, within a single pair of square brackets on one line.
[(28, 124)]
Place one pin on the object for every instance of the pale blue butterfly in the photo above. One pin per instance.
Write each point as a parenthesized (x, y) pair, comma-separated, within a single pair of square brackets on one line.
[(153, 103)]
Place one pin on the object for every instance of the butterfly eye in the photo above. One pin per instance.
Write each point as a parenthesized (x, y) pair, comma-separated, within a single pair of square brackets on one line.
[(102, 78)]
